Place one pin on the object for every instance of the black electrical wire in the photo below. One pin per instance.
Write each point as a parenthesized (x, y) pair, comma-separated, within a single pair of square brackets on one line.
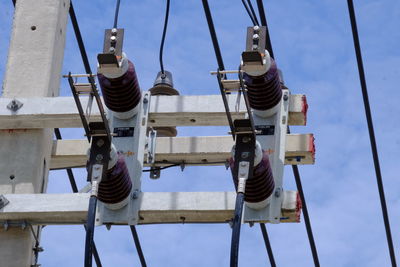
[(71, 177), (79, 39), (371, 130), (307, 221), (116, 14), (163, 37), (268, 244), (90, 231), (253, 12), (213, 34), (14, 1), (138, 246), (253, 19), (236, 225), (263, 19)]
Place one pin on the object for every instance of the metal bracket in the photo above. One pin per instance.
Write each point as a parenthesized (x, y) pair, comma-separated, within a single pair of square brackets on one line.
[(272, 139), (14, 105), (132, 146), (3, 201), (151, 147)]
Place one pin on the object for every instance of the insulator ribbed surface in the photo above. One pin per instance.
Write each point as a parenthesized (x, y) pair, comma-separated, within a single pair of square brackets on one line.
[(264, 91), (117, 186), (121, 94), (261, 185)]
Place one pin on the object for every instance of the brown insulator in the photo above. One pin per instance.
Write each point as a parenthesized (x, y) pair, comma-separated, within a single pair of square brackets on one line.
[(121, 94), (261, 185), (164, 85), (117, 185), (265, 91)]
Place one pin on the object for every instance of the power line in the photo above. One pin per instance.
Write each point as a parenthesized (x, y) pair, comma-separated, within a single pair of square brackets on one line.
[(252, 11), (268, 244), (213, 35), (307, 221), (79, 39), (253, 19), (371, 130), (263, 19), (295, 169), (163, 36), (138, 246), (116, 14), (71, 177)]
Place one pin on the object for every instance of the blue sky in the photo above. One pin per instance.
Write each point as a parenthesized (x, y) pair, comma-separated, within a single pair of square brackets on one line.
[(313, 47)]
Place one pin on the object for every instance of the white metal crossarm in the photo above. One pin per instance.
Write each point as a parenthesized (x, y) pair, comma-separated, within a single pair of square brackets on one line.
[(155, 207), (200, 110)]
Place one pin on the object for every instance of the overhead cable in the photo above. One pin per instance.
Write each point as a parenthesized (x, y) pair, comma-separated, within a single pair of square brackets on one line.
[(371, 131), (307, 221), (138, 246), (263, 19), (163, 37), (250, 12), (116, 14), (74, 187), (295, 169), (268, 244)]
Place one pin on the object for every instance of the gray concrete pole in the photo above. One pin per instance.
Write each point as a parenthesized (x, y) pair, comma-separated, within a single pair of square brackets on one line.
[(33, 70)]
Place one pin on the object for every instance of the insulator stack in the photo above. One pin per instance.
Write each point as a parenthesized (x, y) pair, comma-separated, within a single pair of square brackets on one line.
[(117, 185), (121, 94), (163, 85), (265, 91), (261, 185)]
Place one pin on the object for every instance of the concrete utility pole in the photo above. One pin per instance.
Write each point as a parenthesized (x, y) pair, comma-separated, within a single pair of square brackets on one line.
[(33, 70)]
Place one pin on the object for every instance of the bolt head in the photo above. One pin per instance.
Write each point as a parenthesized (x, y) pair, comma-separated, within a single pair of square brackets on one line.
[(99, 157), (285, 97), (256, 37), (256, 28), (114, 31)]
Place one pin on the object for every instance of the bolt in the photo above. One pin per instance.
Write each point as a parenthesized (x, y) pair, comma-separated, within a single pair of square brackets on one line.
[(113, 39), (246, 139), (100, 142), (99, 157), (285, 97), (111, 50), (243, 164), (145, 100), (245, 155), (251, 224), (256, 28), (278, 192), (256, 37), (108, 226), (114, 31), (255, 47), (135, 194)]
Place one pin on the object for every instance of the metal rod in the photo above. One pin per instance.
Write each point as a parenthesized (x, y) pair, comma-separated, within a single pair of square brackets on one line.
[(138, 246), (267, 244), (371, 131), (78, 75), (224, 72), (79, 106)]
